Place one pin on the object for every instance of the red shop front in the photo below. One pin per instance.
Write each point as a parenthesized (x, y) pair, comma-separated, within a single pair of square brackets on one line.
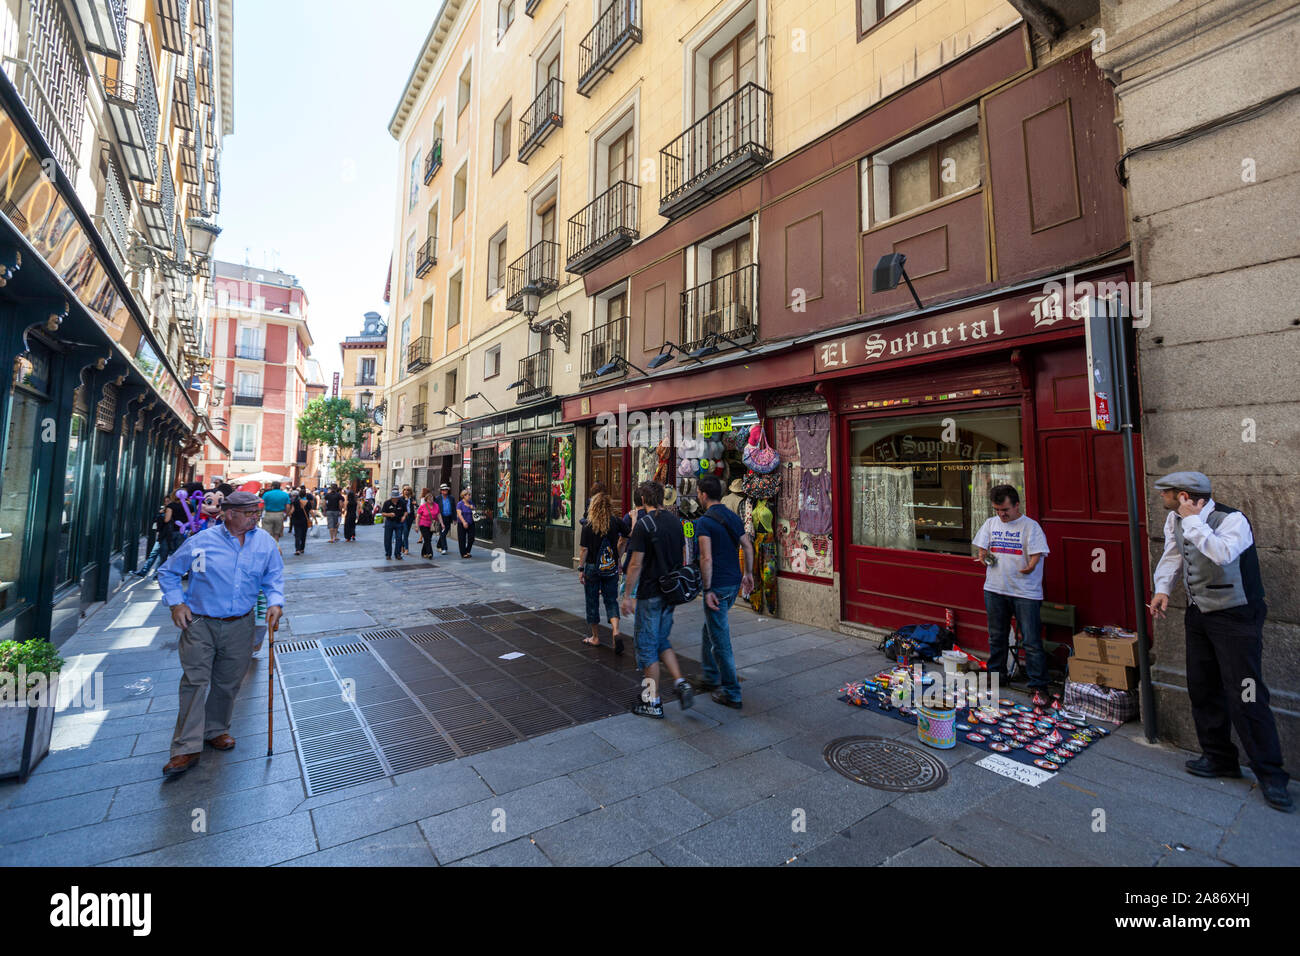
[(929, 414)]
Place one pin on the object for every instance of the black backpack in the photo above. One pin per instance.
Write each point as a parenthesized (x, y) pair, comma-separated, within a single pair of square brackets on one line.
[(607, 557), (680, 585)]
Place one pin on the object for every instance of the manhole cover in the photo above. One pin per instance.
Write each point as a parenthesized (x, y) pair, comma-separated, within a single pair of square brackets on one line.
[(886, 764)]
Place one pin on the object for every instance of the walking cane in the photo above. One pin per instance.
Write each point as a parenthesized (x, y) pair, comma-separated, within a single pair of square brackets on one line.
[(270, 694)]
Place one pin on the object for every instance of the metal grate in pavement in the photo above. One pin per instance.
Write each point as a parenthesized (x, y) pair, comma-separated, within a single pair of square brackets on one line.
[(505, 607), (382, 634), (340, 650), (448, 613), (344, 772), (285, 648), (408, 565), (886, 764)]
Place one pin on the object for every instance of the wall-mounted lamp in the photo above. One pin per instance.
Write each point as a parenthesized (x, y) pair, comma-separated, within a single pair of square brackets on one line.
[(888, 271)]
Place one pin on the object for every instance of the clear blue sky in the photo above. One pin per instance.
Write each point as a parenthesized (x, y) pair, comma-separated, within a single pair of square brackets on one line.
[(308, 180)]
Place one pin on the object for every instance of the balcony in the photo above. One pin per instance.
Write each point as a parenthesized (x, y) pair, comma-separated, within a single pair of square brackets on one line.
[(604, 227), (248, 396), (301, 457), (103, 24), (256, 353), (117, 215), (614, 33), (534, 376), (364, 380), (132, 96), (244, 455), (426, 257), (417, 354), (721, 309), (419, 417), (731, 142), (433, 162), (540, 119), (601, 346), (535, 272), (158, 204)]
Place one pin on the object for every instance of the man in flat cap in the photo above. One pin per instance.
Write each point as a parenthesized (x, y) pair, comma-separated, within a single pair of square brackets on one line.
[(228, 564), (1224, 623)]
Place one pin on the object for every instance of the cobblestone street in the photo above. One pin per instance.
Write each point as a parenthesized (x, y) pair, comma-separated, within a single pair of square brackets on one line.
[(704, 786)]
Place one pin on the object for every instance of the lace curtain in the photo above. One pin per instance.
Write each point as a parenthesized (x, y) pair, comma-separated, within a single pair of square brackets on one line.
[(982, 479), (882, 506)]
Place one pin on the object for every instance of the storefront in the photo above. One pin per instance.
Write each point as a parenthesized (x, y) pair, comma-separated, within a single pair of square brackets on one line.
[(521, 475)]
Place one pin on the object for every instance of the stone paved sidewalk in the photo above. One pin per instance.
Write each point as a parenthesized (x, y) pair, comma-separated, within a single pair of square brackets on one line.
[(704, 786)]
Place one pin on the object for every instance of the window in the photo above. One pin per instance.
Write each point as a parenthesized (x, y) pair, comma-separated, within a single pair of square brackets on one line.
[(871, 12), (496, 279), (492, 362), (245, 437), (733, 66), (501, 138), (458, 192), (414, 189), (453, 300), (368, 370), (917, 485), (405, 341), (426, 317), (463, 90), (408, 280), (941, 161), (450, 387), (505, 17), (546, 221)]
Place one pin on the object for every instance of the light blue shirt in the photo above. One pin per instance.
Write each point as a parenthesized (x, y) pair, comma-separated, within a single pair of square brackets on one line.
[(231, 575)]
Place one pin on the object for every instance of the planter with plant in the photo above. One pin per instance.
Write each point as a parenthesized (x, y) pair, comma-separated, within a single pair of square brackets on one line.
[(29, 688)]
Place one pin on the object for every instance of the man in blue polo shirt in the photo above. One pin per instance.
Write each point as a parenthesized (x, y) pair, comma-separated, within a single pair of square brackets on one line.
[(722, 539), (228, 564), (446, 515), (275, 502)]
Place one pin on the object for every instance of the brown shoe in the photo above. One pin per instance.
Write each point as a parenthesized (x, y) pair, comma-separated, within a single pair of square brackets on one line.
[(179, 764), (224, 742)]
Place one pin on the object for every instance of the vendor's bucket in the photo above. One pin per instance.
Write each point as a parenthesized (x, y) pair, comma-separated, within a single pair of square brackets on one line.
[(937, 727)]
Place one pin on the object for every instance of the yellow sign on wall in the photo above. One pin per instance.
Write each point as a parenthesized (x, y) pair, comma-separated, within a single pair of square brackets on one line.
[(715, 423)]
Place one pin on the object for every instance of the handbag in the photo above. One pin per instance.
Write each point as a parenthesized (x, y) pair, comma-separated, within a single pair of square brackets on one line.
[(681, 585), (762, 457), (755, 485)]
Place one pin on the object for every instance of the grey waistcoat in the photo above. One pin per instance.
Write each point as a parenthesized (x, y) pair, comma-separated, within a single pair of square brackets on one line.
[(1213, 587)]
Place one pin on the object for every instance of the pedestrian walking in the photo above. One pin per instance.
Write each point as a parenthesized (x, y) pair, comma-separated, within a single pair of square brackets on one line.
[(350, 515), (658, 547), (721, 537), (426, 516), (228, 564), (465, 524), (394, 512), (167, 535), (333, 511), (598, 566), (274, 504), (1012, 547), (629, 522), (1214, 547), (301, 512), (446, 515)]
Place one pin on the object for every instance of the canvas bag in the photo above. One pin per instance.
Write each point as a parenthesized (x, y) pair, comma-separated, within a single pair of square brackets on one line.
[(762, 457), (681, 585)]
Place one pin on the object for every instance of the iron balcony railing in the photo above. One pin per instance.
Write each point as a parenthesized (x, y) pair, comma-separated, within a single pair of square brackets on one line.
[(365, 380), (117, 214), (721, 310), (103, 25), (612, 35), (536, 271), (534, 376), (426, 257), (433, 161), (173, 18), (418, 416), (544, 115), (158, 204), (255, 352), (727, 144), (248, 396), (606, 225), (601, 346), (244, 455), (417, 354), (52, 79)]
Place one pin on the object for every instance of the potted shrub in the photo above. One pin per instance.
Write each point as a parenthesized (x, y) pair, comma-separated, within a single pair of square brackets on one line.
[(29, 688)]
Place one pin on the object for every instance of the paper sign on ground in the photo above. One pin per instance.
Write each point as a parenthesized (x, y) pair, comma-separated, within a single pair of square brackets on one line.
[(511, 656), (1032, 776)]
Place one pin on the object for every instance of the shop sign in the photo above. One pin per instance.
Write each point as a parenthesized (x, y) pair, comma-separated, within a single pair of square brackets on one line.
[(1007, 320), (715, 423), (47, 220), (442, 446)]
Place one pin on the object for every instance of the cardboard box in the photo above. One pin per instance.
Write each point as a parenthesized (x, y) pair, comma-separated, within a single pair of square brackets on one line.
[(1106, 649), (1115, 676)]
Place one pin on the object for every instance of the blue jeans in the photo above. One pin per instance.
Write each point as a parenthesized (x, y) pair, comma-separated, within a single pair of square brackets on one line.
[(1000, 609), (406, 536), (392, 530), (717, 662), (598, 588), (654, 622)]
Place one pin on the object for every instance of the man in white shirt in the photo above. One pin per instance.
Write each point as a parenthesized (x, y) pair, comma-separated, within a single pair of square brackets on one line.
[(1012, 547), (1214, 548)]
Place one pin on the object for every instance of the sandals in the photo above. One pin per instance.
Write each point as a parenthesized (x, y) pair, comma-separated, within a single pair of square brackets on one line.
[(591, 641)]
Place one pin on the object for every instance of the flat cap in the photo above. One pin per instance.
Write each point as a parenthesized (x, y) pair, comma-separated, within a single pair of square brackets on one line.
[(1192, 482), (241, 499)]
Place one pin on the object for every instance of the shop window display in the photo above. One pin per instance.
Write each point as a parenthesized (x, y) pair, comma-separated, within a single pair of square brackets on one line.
[(921, 482), (562, 480), (803, 507)]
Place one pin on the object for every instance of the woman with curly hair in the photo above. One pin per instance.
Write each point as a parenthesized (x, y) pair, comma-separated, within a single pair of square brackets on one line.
[(598, 564)]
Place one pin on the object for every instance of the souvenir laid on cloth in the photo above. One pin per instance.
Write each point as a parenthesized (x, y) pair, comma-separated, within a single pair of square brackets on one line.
[(761, 486), (759, 455)]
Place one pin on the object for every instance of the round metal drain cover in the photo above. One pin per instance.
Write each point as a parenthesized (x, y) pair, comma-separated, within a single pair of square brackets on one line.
[(886, 764)]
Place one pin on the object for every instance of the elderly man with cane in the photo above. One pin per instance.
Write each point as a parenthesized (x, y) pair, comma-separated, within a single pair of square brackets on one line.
[(228, 564)]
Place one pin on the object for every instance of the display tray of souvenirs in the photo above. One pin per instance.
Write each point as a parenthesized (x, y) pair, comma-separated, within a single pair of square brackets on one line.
[(1043, 737)]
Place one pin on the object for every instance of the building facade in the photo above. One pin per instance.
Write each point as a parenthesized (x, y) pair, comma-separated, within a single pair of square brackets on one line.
[(364, 378), (260, 351), (114, 112)]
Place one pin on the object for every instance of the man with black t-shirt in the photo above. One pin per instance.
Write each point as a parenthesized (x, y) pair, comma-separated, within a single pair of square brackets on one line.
[(333, 510), (657, 546), (394, 512)]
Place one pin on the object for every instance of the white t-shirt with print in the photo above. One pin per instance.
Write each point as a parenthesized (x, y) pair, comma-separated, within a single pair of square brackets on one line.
[(1012, 542)]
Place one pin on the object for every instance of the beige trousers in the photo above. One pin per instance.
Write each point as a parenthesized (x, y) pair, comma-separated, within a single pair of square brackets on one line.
[(215, 656)]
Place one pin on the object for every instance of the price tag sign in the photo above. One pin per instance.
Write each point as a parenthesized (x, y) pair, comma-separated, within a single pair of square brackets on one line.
[(715, 423), (1023, 773)]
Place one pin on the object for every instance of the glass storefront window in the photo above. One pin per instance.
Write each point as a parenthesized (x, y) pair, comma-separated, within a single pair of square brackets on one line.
[(64, 563), (561, 510), (921, 482), (16, 490)]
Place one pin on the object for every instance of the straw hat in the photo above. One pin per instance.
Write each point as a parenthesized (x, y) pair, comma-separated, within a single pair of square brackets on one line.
[(736, 487)]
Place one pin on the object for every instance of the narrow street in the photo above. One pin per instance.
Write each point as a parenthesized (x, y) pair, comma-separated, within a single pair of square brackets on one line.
[(705, 786)]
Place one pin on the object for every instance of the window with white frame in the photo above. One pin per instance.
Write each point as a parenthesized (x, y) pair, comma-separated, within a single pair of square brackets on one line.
[(492, 362), (548, 65), (463, 89), (614, 157), (501, 137), (937, 163), (408, 278), (505, 17), (404, 342), (414, 190), (367, 373), (871, 12), (245, 438), (545, 214), (721, 61), (496, 278), (610, 305), (453, 299), (458, 191)]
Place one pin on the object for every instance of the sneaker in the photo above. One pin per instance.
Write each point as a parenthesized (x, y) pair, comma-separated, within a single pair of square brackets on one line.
[(719, 697), (649, 710), (1277, 797), (686, 695), (1205, 767)]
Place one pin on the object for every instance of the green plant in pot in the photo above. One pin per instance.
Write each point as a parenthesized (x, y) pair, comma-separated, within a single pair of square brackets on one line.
[(29, 688)]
